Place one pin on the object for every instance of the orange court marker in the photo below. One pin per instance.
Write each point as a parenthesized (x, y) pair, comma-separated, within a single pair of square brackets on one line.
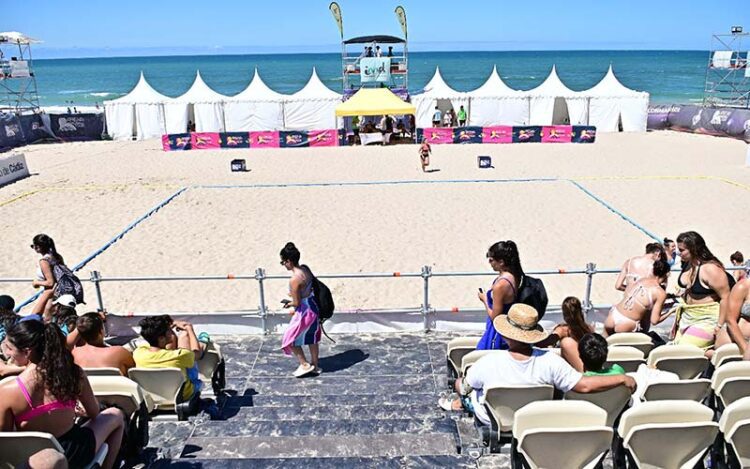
[(454, 310), (562, 271), (397, 274), (230, 277)]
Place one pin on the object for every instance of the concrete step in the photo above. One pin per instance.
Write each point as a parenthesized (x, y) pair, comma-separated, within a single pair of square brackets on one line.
[(411, 462), (341, 412), (314, 446), (239, 427), (343, 385), (374, 399)]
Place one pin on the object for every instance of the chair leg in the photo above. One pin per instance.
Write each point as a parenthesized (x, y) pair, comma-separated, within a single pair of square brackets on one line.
[(618, 453)]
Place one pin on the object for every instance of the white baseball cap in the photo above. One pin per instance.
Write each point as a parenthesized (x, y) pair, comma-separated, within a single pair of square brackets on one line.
[(66, 300)]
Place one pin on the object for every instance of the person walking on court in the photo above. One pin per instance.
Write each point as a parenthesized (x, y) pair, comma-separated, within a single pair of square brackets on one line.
[(304, 328), (424, 154)]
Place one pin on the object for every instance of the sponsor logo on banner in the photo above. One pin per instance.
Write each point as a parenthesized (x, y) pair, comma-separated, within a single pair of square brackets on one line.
[(468, 135), (323, 138), (70, 124), (497, 134), (527, 134), (583, 134), (12, 130), (12, 168), (204, 140), (438, 135), (557, 133), (375, 69), (264, 139)]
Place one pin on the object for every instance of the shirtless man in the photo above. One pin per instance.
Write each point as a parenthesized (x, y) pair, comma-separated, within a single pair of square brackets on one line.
[(642, 303), (639, 267), (95, 353)]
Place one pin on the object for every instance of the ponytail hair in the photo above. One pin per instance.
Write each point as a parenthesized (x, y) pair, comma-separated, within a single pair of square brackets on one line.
[(54, 362), (573, 316), (47, 246), (507, 251)]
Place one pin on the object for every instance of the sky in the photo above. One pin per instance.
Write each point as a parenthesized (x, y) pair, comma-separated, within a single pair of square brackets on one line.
[(77, 28)]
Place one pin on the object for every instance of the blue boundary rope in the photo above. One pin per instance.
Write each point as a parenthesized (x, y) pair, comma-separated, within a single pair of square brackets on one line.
[(111, 241)]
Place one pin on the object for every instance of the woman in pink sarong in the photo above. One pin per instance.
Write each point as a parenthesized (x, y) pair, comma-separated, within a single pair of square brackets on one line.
[(304, 328)]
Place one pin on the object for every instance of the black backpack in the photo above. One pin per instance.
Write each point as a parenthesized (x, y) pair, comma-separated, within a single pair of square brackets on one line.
[(67, 283), (532, 292), (323, 299)]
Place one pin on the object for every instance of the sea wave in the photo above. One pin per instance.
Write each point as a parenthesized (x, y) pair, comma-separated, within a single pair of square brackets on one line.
[(101, 95), (73, 91)]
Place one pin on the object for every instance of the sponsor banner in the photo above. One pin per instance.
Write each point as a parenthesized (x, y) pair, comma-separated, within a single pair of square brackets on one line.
[(658, 117), (497, 134), (205, 140), (557, 133), (467, 135), (437, 135), (293, 139), (264, 139), (33, 128), (375, 69), (527, 134), (323, 138), (174, 142), (13, 168), (11, 133), (583, 134), (234, 140), (77, 127)]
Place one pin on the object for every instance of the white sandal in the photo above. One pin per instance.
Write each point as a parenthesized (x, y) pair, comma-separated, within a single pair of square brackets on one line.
[(302, 370)]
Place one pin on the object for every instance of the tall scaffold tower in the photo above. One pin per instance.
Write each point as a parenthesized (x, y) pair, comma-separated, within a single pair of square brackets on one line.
[(727, 74), (18, 90)]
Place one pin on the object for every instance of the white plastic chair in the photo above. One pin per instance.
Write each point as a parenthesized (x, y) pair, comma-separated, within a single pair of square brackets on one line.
[(686, 361), (725, 354), (731, 381), (667, 434), (502, 402), (638, 340), (561, 434), (126, 395), (612, 401), (164, 386), (17, 447), (472, 357), (211, 367), (628, 357), (456, 349), (103, 371), (687, 389), (735, 426)]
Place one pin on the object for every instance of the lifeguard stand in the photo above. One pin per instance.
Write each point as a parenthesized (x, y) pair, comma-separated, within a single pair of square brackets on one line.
[(727, 74), (18, 90), (363, 67)]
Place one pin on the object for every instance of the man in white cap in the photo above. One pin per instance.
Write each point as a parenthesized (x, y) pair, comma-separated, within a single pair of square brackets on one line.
[(523, 364)]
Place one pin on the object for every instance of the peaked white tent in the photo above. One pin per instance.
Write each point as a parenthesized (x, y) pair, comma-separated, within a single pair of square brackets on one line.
[(610, 102), (495, 103), (548, 103), (312, 107), (437, 93), (139, 113), (207, 109), (257, 107)]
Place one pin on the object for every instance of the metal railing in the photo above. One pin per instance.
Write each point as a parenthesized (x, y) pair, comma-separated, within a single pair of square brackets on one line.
[(426, 273)]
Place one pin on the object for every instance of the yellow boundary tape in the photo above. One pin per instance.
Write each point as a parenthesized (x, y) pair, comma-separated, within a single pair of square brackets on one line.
[(88, 188), (635, 178)]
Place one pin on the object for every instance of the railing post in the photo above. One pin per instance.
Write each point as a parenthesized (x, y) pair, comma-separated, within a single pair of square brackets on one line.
[(260, 274), (96, 278), (590, 272), (426, 274)]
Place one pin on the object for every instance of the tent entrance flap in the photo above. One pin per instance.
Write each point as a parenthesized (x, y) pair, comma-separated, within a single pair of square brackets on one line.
[(374, 102)]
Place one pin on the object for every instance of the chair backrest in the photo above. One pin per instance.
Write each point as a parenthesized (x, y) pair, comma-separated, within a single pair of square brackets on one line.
[(686, 389), (612, 401), (17, 447), (638, 340), (739, 438), (210, 360), (686, 361), (733, 413), (118, 391), (628, 357), (562, 434), (502, 402), (457, 348), (102, 371), (731, 381), (725, 354), (686, 427), (164, 385), (470, 358)]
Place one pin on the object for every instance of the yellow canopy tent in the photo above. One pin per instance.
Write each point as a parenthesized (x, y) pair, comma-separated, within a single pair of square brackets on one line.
[(374, 102)]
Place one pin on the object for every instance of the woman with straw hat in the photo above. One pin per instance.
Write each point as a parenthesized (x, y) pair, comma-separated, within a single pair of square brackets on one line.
[(523, 364)]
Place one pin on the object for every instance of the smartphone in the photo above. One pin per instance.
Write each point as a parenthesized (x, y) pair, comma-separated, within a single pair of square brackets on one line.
[(285, 301), (481, 290)]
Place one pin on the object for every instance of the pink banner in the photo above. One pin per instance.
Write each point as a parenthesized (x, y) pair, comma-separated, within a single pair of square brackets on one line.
[(497, 134), (165, 142), (205, 140), (323, 138), (557, 134), (438, 135), (264, 139)]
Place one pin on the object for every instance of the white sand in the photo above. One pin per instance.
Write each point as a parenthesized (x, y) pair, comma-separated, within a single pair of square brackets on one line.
[(88, 192)]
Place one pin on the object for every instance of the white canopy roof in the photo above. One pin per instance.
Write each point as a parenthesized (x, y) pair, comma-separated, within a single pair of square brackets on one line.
[(314, 90), (553, 87), (495, 86), (438, 88), (257, 90), (200, 92), (15, 36), (143, 93), (610, 86)]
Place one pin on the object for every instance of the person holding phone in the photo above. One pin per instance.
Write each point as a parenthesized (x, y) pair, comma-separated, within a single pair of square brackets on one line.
[(504, 259)]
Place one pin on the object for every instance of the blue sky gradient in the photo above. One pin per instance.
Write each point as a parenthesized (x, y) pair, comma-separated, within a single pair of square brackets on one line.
[(77, 28)]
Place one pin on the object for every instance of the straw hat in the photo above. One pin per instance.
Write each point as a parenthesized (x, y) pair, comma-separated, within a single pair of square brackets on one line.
[(520, 324)]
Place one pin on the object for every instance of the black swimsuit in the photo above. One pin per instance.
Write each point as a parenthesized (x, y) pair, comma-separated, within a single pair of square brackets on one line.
[(697, 289)]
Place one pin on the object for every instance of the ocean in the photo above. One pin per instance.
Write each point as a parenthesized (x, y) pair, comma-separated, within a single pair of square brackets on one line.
[(669, 76)]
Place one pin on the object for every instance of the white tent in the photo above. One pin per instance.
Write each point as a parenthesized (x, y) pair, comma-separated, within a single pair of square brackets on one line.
[(257, 107), (610, 101), (139, 113), (311, 108), (554, 103), (207, 108), (495, 103), (437, 93)]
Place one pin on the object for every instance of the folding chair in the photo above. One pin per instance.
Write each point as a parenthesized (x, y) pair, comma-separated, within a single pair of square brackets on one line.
[(686, 361), (628, 357), (17, 447), (638, 340)]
